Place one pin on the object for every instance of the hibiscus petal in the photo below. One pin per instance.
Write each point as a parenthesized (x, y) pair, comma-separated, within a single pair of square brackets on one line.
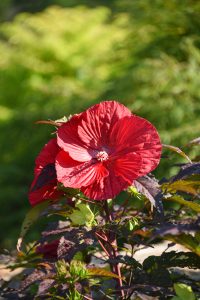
[(98, 121), (76, 174), (69, 140), (44, 185), (47, 155), (47, 192), (105, 188), (128, 167), (137, 135)]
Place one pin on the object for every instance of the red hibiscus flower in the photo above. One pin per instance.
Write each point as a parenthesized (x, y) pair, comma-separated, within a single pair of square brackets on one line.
[(104, 149), (44, 185), (49, 250)]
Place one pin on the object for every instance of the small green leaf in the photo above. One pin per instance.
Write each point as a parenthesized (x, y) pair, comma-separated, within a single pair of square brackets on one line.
[(133, 224), (184, 292), (82, 215), (30, 218)]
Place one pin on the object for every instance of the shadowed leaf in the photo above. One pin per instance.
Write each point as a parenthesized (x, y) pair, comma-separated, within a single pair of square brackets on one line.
[(30, 218), (44, 286), (186, 171), (36, 275), (182, 234), (150, 188), (173, 259)]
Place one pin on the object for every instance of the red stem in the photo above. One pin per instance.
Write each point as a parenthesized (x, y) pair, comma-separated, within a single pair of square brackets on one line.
[(113, 243)]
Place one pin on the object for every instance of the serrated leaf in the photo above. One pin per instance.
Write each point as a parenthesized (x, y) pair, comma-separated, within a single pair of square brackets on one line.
[(185, 240), (35, 276), (30, 218), (187, 186), (182, 234), (150, 188), (82, 215), (44, 287), (173, 259), (184, 292), (101, 272), (178, 199), (178, 151)]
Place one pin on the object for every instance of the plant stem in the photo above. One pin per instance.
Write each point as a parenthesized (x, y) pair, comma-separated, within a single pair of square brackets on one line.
[(113, 243)]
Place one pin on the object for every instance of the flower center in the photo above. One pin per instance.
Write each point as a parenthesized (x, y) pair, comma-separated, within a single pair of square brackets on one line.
[(102, 156)]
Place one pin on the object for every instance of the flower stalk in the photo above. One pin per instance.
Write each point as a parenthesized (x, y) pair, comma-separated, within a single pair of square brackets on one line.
[(112, 241)]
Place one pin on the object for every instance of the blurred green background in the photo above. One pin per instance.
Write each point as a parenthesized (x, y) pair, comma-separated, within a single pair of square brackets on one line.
[(58, 57)]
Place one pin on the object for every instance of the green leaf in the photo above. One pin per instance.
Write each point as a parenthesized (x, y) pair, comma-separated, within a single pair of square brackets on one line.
[(184, 292), (30, 218), (133, 223), (180, 200), (187, 186), (82, 215)]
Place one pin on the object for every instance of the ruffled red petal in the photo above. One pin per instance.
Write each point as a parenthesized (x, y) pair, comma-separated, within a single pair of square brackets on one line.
[(131, 146), (137, 135), (76, 174), (98, 121), (47, 155), (105, 188), (44, 185), (128, 167), (83, 134), (69, 140), (47, 192)]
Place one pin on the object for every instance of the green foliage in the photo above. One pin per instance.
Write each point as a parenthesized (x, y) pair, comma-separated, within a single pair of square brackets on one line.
[(184, 292), (82, 215), (66, 263), (60, 61)]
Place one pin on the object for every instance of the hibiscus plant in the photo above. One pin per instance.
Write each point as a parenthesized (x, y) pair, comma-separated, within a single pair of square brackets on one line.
[(102, 209)]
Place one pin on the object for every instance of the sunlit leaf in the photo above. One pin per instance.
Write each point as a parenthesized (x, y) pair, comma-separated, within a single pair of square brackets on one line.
[(101, 272), (82, 215), (179, 199), (187, 186), (184, 292)]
